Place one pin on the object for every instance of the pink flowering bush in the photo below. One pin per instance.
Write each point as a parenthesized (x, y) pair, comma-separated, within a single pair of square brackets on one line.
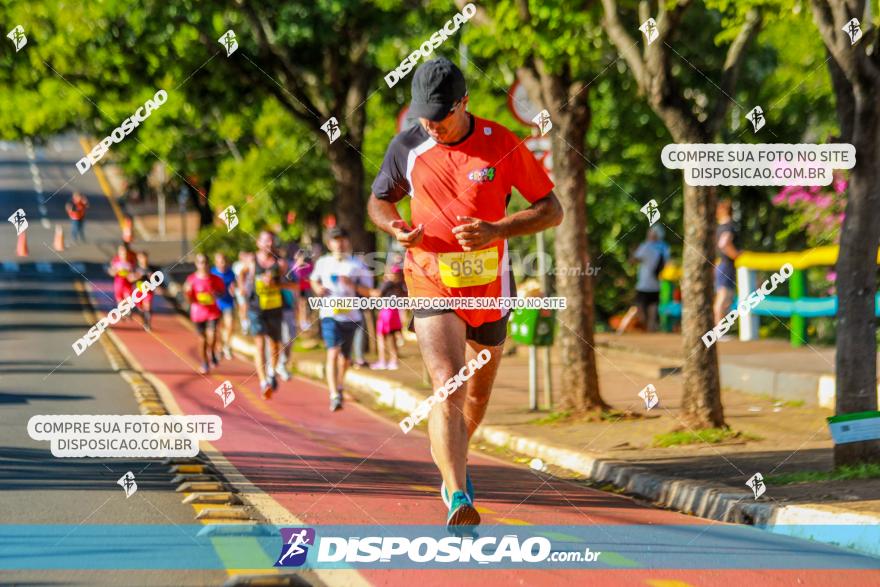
[(815, 211)]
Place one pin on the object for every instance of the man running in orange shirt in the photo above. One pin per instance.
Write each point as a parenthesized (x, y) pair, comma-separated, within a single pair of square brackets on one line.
[(459, 171)]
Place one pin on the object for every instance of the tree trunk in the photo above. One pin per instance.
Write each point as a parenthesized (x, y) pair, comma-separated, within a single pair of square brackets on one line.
[(571, 119), (856, 361), (349, 203), (701, 403)]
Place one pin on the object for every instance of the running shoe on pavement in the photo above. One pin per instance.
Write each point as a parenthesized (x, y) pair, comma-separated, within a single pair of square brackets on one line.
[(273, 382), (336, 403), (215, 359), (378, 366), (462, 511), (203, 369), (469, 487), (266, 389), (282, 372), (392, 366), (227, 353)]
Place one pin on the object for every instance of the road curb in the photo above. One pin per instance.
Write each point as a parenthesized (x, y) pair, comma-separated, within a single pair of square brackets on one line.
[(690, 496)]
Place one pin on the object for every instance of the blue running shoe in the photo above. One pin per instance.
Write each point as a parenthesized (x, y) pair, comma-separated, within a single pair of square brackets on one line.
[(469, 487), (462, 511)]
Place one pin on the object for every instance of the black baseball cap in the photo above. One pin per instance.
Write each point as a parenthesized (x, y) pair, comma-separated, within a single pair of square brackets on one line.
[(437, 85), (337, 232)]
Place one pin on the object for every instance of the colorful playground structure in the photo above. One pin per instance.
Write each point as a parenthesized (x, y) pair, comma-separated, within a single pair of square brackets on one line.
[(798, 307)]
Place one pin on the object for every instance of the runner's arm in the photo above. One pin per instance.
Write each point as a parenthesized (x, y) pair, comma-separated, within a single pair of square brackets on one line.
[(475, 234), (384, 215)]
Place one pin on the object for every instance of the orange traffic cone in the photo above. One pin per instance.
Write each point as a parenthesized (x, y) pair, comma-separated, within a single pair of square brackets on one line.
[(126, 229), (58, 245), (22, 250)]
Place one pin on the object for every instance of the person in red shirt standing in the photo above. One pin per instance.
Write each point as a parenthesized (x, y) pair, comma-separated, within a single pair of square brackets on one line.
[(459, 171), (76, 210), (202, 290)]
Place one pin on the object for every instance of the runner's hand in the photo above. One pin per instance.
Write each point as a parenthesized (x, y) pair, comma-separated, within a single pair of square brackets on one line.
[(474, 234), (406, 236)]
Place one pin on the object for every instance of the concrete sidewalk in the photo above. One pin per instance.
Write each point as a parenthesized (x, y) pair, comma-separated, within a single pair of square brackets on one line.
[(706, 480), (768, 366)]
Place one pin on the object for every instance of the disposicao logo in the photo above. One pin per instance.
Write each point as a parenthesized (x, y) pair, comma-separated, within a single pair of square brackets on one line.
[(294, 547), (122, 131)]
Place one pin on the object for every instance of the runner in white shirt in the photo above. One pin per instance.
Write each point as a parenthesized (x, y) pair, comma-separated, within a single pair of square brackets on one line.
[(337, 275)]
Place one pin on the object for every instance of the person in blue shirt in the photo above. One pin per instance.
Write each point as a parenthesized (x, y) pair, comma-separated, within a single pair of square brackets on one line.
[(652, 255), (226, 303)]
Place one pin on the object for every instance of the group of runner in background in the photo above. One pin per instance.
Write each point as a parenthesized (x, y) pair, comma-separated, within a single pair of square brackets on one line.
[(266, 292)]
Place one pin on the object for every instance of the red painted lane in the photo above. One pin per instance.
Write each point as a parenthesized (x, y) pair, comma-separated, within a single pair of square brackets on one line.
[(353, 467)]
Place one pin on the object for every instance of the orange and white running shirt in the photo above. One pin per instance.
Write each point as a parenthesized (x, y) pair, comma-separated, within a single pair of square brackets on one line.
[(472, 177)]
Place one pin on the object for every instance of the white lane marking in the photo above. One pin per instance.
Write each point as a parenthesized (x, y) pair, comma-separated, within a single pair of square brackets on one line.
[(43, 267)]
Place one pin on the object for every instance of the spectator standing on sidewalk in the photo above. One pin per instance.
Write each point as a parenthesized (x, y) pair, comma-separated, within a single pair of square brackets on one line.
[(76, 211), (388, 322), (652, 255), (725, 271)]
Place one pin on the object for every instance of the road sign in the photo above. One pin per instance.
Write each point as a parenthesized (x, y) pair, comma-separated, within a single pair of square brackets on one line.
[(522, 108), (541, 149)]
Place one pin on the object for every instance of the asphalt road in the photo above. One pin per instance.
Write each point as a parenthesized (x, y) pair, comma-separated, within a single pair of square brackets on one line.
[(41, 314)]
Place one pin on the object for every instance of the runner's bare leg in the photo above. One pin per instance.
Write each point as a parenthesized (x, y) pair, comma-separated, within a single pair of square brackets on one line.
[(341, 369), (331, 367), (274, 352), (479, 386), (442, 342), (260, 357)]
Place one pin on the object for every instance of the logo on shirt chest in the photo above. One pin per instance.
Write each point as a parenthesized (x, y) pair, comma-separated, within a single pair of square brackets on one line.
[(482, 175)]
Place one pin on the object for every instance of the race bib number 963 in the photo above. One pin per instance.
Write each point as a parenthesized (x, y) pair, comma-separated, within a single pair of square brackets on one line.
[(466, 269)]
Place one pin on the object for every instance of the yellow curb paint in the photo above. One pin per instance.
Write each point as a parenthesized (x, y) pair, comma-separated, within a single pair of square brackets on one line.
[(187, 469), (513, 521), (665, 582), (105, 185), (427, 488), (481, 509)]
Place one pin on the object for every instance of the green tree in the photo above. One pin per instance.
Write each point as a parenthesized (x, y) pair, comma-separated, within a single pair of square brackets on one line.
[(691, 117), (855, 75)]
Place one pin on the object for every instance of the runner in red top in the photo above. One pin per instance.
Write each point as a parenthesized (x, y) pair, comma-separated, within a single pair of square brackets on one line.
[(202, 289), (122, 270), (459, 171)]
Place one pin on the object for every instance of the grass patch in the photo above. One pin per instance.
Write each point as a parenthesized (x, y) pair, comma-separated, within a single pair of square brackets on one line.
[(704, 436), (782, 403), (569, 417), (844, 473), (552, 418)]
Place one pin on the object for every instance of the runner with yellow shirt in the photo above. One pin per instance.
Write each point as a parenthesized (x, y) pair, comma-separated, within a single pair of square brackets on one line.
[(265, 308)]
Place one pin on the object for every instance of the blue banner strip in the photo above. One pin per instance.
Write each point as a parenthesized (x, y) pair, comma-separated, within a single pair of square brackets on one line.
[(152, 547)]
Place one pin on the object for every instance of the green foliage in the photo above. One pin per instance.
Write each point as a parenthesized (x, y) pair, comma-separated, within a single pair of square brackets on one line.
[(90, 71)]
